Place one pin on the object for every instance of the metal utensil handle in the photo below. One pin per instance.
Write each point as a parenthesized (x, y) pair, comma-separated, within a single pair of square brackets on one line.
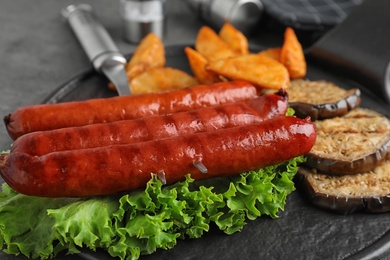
[(93, 37)]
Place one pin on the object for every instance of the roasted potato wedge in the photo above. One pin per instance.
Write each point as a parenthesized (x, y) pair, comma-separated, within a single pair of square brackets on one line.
[(149, 54), (258, 69), (292, 56), (161, 79), (273, 53), (211, 46), (234, 38), (198, 66)]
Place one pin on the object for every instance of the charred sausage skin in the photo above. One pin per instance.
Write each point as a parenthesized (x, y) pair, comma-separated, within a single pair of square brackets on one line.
[(53, 116), (153, 127), (118, 168)]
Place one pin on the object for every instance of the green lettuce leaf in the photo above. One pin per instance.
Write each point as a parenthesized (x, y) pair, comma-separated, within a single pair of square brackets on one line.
[(25, 226), (84, 222), (139, 223)]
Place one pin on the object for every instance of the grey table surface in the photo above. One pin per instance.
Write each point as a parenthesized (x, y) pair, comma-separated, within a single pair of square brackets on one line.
[(39, 52)]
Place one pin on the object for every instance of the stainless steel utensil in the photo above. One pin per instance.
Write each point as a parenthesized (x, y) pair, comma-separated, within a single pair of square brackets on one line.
[(98, 45)]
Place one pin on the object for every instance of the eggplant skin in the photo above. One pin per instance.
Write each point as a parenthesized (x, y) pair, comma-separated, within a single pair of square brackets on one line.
[(339, 204), (364, 164), (354, 143), (328, 110)]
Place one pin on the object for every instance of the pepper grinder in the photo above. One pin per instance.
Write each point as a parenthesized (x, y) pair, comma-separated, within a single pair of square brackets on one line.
[(141, 17)]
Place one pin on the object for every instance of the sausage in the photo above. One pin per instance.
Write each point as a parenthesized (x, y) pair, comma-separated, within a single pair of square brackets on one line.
[(119, 168), (101, 110), (153, 127)]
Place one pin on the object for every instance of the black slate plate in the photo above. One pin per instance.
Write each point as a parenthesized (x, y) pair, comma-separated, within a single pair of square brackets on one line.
[(302, 231)]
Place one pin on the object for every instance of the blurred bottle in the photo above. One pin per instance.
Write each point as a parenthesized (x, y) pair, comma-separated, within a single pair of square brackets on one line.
[(245, 15), (141, 17)]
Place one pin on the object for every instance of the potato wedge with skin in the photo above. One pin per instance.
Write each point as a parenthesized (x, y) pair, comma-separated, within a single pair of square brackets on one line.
[(234, 38), (149, 53), (258, 69), (198, 66), (161, 79), (292, 56), (211, 46), (273, 53)]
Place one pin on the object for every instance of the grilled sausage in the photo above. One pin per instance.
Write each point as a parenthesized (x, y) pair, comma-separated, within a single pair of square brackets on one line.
[(102, 110), (153, 127), (118, 168)]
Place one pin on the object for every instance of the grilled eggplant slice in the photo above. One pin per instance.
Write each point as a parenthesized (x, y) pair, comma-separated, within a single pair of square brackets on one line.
[(354, 143), (321, 99), (346, 194)]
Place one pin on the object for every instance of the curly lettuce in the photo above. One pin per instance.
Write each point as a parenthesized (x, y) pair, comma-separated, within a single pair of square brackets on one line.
[(139, 223)]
